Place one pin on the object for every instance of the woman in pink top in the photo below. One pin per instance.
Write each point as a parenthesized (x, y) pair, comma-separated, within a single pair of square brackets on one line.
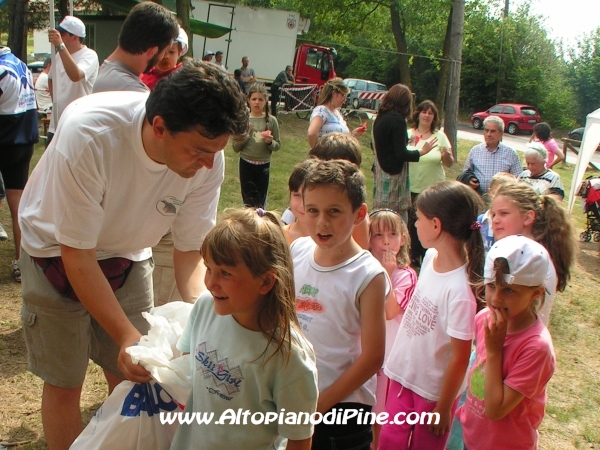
[(541, 132)]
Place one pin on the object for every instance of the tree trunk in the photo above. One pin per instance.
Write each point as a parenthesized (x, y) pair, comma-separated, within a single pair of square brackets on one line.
[(400, 38), (440, 98), (63, 9), (17, 28), (183, 14), (455, 56)]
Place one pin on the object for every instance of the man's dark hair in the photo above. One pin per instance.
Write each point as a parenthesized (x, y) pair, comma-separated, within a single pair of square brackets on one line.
[(148, 25), (199, 95)]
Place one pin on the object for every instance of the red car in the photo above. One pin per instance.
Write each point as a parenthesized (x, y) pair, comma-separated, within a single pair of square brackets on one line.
[(516, 117)]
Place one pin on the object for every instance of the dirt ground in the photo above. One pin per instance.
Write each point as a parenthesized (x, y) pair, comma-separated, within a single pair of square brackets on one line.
[(572, 418)]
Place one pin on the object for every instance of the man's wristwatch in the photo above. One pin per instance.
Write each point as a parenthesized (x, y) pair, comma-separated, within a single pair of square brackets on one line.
[(61, 47)]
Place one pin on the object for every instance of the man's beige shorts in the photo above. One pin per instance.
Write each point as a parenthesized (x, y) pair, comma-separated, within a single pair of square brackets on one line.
[(61, 335)]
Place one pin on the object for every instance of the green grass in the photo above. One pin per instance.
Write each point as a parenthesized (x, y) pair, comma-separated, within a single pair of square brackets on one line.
[(573, 410)]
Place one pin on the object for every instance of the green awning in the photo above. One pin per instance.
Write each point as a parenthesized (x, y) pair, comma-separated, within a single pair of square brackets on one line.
[(197, 27)]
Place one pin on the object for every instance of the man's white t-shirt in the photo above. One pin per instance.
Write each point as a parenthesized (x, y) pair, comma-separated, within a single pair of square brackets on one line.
[(64, 90), (442, 307), (96, 188), (42, 93)]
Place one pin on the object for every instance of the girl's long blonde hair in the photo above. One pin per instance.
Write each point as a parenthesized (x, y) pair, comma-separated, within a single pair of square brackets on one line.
[(383, 219), (255, 238), (551, 227)]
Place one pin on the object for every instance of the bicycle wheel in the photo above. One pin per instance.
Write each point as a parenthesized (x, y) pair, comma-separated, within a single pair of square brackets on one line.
[(304, 114)]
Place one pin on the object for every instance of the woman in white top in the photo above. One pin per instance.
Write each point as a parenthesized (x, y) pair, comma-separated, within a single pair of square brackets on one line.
[(326, 117)]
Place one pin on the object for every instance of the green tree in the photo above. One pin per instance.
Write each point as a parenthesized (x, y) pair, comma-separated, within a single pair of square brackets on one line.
[(584, 73), (17, 28)]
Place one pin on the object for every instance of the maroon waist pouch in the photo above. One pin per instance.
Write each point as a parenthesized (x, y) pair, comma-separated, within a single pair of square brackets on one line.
[(116, 271)]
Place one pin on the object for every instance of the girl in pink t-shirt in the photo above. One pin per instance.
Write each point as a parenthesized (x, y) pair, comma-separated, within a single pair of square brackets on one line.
[(541, 132), (389, 242), (515, 359)]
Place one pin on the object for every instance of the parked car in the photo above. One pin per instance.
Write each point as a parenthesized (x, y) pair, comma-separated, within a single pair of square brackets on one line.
[(576, 134), (516, 117), (36, 68), (357, 86)]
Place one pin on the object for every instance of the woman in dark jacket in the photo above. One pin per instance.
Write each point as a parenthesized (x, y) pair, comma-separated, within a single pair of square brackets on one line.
[(390, 138)]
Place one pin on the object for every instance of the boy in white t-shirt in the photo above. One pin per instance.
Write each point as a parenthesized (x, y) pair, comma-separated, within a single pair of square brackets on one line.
[(340, 293)]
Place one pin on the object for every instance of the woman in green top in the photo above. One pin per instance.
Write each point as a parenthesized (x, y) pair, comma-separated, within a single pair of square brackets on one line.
[(425, 134), (255, 148)]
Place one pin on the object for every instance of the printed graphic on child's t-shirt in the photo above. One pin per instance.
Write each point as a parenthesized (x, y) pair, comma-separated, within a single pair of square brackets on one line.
[(476, 402), (307, 305), (218, 370), (420, 317)]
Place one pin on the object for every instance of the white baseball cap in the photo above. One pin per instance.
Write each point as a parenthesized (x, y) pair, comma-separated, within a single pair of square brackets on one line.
[(183, 40), (528, 261), (72, 25)]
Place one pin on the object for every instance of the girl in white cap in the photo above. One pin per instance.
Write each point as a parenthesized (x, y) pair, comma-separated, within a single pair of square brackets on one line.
[(515, 359)]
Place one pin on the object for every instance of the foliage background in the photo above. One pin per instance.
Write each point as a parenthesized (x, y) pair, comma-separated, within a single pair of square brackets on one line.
[(505, 59)]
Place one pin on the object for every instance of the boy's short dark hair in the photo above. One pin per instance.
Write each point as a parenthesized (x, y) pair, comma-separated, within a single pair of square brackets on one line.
[(298, 175), (148, 25), (199, 96), (337, 146), (340, 174)]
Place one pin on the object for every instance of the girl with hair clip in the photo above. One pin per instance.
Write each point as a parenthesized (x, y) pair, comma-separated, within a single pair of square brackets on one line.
[(255, 148), (390, 245), (247, 349), (515, 359), (326, 117), (429, 358), (518, 209)]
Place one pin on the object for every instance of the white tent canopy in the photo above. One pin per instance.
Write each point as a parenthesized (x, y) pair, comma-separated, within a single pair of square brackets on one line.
[(589, 144)]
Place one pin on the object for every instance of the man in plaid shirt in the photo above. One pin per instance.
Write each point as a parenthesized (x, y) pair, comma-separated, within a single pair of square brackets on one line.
[(487, 159)]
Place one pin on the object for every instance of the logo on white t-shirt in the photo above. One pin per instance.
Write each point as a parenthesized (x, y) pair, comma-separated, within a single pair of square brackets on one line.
[(421, 316), (168, 206)]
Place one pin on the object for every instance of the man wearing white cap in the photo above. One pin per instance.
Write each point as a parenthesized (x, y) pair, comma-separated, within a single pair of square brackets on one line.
[(146, 35), (208, 56), (76, 67)]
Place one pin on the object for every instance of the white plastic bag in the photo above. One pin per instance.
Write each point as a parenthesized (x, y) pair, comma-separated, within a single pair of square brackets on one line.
[(157, 350), (129, 419)]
